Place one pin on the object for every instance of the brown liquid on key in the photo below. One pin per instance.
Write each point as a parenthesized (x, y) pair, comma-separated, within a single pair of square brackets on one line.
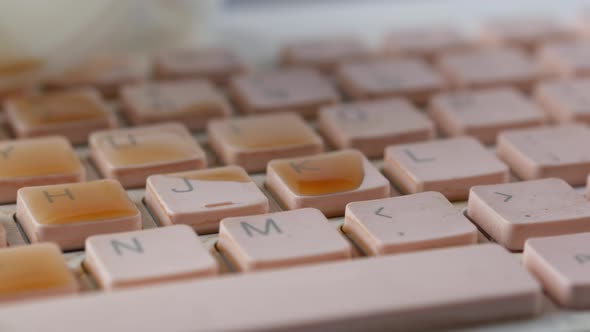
[(92, 201), (32, 268), (37, 157), (148, 149), (269, 132), (58, 108), (323, 174), (229, 173), (19, 67)]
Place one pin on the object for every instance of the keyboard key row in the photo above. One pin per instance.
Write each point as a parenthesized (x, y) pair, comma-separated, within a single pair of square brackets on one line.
[(482, 114), (481, 283)]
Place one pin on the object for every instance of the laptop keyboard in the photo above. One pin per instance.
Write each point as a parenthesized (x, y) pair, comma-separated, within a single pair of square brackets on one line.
[(346, 188)]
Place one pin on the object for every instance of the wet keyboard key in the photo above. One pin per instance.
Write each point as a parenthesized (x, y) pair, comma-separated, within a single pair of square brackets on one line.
[(560, 263), (566, 100), (32, 271), (449, 166), (73, 114), (202, 198), (19, 76), (478, 284), (410, 78), (192, 102), (537, 153), (491, 68), (3, 236), (35, 162), (281, 239), (215, 64), (295, 89), (68, 213), (372, 125), (484, 114), (130, 155), (407, 223), (251, 142), (324, 54), (326, 181), (511, 213), (149, 256)]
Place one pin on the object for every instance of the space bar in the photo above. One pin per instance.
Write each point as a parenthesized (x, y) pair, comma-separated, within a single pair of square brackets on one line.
[(431, 289)]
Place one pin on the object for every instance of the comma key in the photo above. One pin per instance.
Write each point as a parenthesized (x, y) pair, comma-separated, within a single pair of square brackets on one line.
[(407, 223)]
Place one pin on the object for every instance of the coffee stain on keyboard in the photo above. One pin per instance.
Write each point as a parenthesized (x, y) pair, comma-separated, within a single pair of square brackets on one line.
[(325, 174)]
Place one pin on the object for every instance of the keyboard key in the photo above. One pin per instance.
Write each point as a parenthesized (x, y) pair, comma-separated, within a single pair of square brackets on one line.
[(410, 78), (148, 256), (73, 114), (202, 198), (19, 76), (326, 182), (105, 73), (215, 64), (478, 284), (484, 114), (130, 155), (324, 54), (566, 59), (68, 213), (37, 270), (35, 162), (370, 126), (537, 153), (525, 32), (3, 237), (560, 264), (449, 166), (251, 142), (427, 42), (407, 223), (295, 89), (490, 68), (511, 213), (281, 239), (565, 101), (193, 103)]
